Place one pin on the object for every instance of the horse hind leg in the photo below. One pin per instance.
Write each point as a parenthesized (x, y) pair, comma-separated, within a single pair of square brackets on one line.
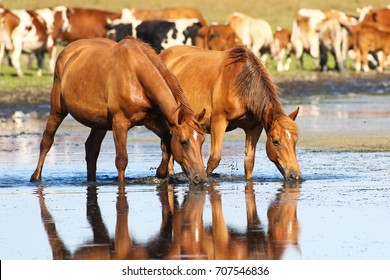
[(92, 150), (120, 129), (57, 115), (53, 122)]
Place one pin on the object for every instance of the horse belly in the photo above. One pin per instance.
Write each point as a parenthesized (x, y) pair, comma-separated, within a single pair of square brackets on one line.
[(86, 106), (92, 116)]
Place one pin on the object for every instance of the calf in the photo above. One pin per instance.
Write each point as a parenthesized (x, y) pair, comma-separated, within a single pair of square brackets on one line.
[(368, 39)]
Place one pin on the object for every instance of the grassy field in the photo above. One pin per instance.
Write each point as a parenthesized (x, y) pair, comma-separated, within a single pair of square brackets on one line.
[(276, 12)]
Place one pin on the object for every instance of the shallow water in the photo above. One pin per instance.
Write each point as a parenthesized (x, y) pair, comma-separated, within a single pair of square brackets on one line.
[(340, 210)]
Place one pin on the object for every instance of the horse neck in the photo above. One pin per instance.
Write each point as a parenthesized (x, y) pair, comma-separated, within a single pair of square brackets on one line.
[(160, 94), (270, 113)]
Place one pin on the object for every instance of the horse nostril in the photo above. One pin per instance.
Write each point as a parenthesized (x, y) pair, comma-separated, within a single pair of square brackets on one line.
[(294, 177), (198, 179)]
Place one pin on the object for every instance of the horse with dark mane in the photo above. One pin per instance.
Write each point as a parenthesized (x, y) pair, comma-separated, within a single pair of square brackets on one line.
[(114, 86), (237, 92)]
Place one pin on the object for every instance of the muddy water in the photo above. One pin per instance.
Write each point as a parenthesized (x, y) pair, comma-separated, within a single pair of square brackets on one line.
[(340, 210)]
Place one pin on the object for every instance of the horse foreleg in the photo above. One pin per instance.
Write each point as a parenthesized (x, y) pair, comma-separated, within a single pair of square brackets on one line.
[(53, 122), (217, 132), (120, 130), (92, 150), (166, 157), (251, 139)]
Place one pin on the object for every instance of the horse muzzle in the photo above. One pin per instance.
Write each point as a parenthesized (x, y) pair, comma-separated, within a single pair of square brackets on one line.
[(292, 176), (198, 179)]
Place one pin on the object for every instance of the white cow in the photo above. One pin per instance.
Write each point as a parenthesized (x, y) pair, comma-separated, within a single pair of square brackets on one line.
[(313, 29), (254, 33), (31, 31)]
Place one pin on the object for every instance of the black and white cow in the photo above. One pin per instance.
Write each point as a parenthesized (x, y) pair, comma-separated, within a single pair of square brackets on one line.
[(160, 34)]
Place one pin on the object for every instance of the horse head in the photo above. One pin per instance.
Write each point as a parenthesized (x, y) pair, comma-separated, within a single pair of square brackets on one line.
[(281, 141), (186, 146)]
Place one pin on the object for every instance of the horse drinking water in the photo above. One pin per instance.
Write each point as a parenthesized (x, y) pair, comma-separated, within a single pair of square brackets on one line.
[(237, 92), (114, 86)]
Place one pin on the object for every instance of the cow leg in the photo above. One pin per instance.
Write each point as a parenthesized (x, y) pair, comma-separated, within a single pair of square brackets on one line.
[(251, 138), (280, 59), (2, 52), (15, 57), (39, 55), (120, 129), (218, 129), (383, 60), (323, 57), (337, 46), (299, 54), (358, 61), (52, 59), (287, 63), (30, 61), (92, 150), (364, 59)]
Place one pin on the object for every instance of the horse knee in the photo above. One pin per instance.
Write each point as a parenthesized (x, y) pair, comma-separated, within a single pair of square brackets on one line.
[(212, 164), (162, 170), (121, 162)]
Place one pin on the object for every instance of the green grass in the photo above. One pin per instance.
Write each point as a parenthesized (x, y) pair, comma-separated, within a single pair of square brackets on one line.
[(276, 12)]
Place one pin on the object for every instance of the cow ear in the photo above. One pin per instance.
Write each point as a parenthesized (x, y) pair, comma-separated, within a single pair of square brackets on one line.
[(199, 117), (294, 114)]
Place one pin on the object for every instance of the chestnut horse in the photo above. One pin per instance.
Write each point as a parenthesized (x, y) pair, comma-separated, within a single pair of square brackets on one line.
[(237, 92), (114, 86)]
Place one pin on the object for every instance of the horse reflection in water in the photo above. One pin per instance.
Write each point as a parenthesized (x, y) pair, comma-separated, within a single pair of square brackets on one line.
[(183, 234)]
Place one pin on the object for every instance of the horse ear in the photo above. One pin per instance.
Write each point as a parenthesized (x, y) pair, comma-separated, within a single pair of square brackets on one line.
[(199, 117), (294, 114)]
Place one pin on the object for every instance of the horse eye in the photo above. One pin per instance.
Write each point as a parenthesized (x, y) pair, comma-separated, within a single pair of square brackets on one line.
[(184, 143), (276, 142)]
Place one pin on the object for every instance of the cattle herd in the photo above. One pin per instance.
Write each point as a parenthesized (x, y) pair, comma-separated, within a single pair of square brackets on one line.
[(364, 38)]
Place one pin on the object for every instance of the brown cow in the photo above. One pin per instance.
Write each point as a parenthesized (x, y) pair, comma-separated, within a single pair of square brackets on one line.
[(379, 18), (371, 39), (217, 37), (86, 24)]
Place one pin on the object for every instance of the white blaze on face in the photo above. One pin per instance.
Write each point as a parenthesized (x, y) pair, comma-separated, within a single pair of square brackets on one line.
[(195, 135), (288, 133)]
